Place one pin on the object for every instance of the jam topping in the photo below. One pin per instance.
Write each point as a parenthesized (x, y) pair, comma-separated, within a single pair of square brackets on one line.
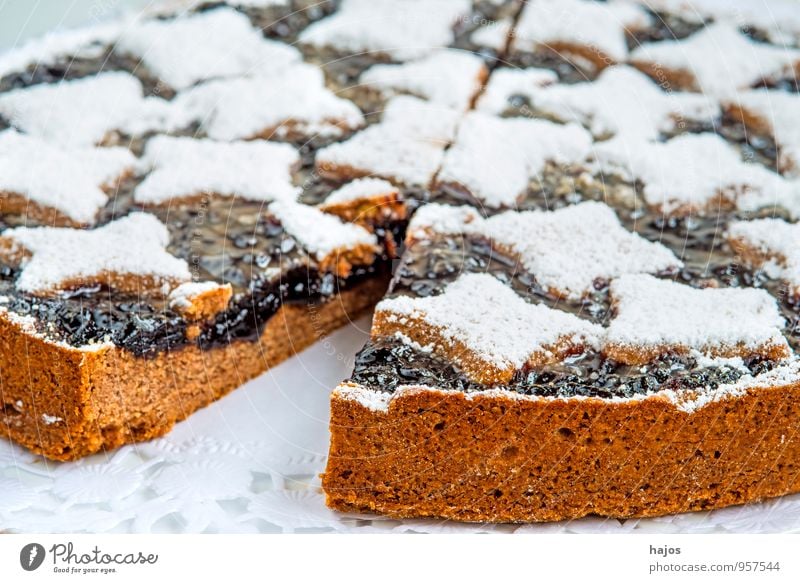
[(430, 264), (227, 240)]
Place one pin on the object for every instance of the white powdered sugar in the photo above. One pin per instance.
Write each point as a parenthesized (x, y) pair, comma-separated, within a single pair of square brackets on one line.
[(184, 296), (449, 77), (578, 245), (185, 167), (778, 19), (132, 247), (361, 189), (51, 419), (493, 35), (495, 324), (705, 361), (656, 316), (88, 42), (495, 158), (79, 112), (68, 180), (623, 101), (572, 248), (506, 83), (718, 60), (775, 112), (293, 100), (319, 233), (599, 27), (779, 377), (696, 172), (373, 400), (775, 245), (407, 146), (402, 30), (197, 47), (445, 220)]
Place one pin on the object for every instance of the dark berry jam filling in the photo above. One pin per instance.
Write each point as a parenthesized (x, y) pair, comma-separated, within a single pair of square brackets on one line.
[(430, 265)]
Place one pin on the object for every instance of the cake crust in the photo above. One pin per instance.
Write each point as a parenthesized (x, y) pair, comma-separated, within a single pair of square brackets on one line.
[(66, 403), (495, 458)]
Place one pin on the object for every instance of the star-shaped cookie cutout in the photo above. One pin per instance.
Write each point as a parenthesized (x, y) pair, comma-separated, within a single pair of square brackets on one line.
[(400, 30), (574, 248), (590, 34), (621, 101), (185, 169), (366, 200), (80, 112), (769, 244), (127, 255), (778, 20), (507, 84), (61, 186), (655, 316), (336, 246), (773, 115), (494, 159), (452, 78), (696, 173), (485, 328), (190, 48), (88, 42), (406, 147), (291, 103), (717, 61)]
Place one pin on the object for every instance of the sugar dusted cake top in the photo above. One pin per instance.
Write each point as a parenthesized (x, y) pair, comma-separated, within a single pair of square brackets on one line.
[(560, 166)]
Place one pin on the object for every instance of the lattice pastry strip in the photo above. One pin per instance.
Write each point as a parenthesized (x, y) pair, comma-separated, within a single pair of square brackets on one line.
[(770, 244), (197, 47), (401, 30), (406, 147), (452, 78), (494, 158), (126, 255), (186, 169), (696, 173), (588, 32), (718, 60), (568, 250), (655, 316), (51, 184), (485, 328), (621, 101), (772, 114), (335, 245)]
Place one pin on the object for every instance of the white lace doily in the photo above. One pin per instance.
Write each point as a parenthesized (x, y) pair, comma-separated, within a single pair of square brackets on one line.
[(251, 463)]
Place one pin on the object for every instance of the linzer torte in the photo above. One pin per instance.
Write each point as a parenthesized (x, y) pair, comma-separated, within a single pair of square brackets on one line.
[(587, 211)]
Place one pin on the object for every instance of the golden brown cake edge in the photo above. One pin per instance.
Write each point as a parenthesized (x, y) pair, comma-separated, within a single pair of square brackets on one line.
[(66, 403), (497, 458)]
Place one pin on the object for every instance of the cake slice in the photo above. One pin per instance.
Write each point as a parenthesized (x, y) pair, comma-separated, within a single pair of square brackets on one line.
[(585, 370), (112, 334)]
